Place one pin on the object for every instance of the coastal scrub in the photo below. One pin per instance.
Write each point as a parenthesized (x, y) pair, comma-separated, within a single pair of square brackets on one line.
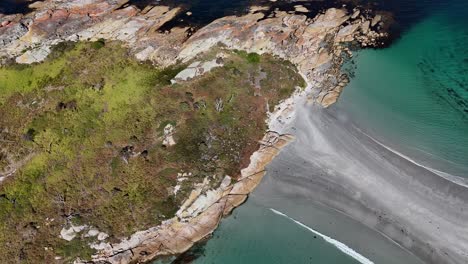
[(83, 141)]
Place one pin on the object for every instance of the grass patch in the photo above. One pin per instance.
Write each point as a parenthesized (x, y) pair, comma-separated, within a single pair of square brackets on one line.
[(98, 44), (251, 57), (84, 130)]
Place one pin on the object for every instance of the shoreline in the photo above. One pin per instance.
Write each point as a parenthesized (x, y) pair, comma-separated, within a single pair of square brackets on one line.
[(157, 240), (449, 177), (316, 46), (344, 170), (193, 229), (160, 240)]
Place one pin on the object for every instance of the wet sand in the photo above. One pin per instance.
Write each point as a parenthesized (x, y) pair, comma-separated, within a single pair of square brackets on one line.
[(334, 164)]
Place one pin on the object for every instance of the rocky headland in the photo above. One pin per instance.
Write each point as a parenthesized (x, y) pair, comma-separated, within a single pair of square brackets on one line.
[(316, 46)]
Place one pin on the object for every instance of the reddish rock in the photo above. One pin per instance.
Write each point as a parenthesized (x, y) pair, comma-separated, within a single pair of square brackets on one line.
[(59, 14), (129, 11)]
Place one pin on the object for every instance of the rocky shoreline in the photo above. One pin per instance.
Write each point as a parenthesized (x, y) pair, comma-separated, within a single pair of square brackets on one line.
[(317, 46), (177, 235)]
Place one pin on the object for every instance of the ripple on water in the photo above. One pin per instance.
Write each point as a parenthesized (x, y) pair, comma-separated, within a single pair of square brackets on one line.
[(414, 95)]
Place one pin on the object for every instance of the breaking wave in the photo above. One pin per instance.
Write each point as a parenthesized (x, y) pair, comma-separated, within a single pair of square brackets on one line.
[(342, 247)]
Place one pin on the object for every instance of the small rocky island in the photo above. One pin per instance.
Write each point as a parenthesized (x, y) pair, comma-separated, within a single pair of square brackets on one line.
[(121, 142)]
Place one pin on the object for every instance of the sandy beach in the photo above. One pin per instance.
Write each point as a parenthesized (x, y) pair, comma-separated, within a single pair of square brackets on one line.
[(333, 163)]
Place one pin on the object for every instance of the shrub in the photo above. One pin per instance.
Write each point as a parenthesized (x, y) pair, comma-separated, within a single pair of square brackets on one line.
[(100, 43), (253, 58)]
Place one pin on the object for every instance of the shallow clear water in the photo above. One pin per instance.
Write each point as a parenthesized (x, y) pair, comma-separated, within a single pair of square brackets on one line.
[(254, 234), (276, 240), (414, 95)]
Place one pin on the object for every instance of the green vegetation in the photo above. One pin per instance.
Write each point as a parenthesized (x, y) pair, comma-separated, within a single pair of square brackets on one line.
[(98, 44), (82, 132), (250, 57)]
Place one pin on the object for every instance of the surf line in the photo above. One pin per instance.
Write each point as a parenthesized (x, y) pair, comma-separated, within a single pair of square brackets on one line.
[(452, 178), (342, 247)]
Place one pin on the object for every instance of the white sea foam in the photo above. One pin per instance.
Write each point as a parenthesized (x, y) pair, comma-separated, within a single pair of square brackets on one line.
[(453, 178), (342, 247)]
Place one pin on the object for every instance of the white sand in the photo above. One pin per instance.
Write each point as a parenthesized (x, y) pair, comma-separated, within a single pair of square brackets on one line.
[(333, 163)]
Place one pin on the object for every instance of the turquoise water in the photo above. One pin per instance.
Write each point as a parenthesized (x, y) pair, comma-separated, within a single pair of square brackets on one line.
[(413, 96), (254, 234)]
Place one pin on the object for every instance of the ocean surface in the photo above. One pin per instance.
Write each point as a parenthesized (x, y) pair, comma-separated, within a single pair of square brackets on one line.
[(411, 96), (14, 6)]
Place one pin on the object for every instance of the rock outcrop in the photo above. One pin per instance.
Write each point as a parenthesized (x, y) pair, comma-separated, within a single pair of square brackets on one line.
[(197, 219), (316, 46), (28, 38), (197, 68)]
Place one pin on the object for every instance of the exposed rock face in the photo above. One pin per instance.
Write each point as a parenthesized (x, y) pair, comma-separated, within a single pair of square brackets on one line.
[(70, 233), (198, 219), (28, 38), (376, 20), (168, 136), (315, 46), (196, 69)]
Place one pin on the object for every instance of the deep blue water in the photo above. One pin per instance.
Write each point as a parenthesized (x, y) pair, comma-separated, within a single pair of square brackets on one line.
[(14, 6), (413, 93), (205, 11)]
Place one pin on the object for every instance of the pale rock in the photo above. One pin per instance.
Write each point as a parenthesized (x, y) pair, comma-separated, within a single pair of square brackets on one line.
[(254, 9), (196, 69), (376, 20), (168, 135), (70, 233), (347, 30), (92, 232), (365, 26), (355, 14), (176, 189), (145, 54), (225, 183), (157, 11), (34, 55), (102, 236), (99, 246), (301, 9), (330, 98)]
